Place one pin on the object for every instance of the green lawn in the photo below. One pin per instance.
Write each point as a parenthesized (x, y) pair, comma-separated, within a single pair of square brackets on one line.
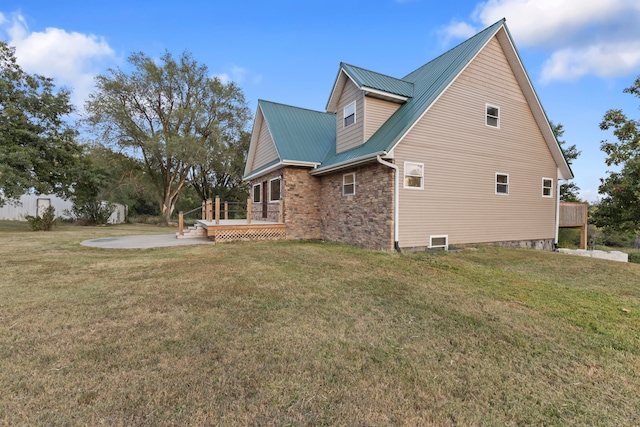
[(306, 333)]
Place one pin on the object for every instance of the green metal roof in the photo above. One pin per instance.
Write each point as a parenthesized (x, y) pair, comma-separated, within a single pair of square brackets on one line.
[(373, 80), (429, 81), (310, 136), (299, 134)]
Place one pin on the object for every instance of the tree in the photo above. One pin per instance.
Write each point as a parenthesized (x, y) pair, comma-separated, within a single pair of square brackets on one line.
[(568, 190), (115, 177), (619, 208), (221, 173), (38, 150), (171, 112)]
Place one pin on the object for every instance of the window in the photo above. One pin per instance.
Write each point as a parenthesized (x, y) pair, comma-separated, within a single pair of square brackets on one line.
[(414, 175), (439, 242), (349, 184), (257, 192), (493, 116), (547, 187), (274, 190), (502, 183), (350, 114)]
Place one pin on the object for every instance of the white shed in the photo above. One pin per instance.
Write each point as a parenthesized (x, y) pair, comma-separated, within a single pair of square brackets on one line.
[(32, 204)]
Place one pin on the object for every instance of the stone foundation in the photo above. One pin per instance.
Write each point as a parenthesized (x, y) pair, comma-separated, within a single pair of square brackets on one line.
[(541, 245)]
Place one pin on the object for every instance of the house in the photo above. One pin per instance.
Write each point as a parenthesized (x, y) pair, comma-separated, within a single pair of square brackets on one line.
[(457, 152)]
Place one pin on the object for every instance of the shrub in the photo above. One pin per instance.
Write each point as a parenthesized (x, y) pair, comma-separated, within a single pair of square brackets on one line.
[(44, 222), (93, 212), (634, 257)]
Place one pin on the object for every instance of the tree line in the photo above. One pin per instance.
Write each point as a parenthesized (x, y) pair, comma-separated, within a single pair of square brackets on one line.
[(164, 132)]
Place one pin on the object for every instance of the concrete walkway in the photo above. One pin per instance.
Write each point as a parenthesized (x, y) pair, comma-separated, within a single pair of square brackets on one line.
[(144, 242)]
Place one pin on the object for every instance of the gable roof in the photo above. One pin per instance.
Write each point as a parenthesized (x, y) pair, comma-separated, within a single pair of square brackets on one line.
[(300, 135), (427, 84), (375, 83)]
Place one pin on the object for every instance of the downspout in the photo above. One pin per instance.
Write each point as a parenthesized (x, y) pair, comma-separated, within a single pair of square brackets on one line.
[(396, 201), (555, 242)]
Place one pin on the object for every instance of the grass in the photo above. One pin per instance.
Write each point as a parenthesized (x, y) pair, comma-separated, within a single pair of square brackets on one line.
[(307, 333)]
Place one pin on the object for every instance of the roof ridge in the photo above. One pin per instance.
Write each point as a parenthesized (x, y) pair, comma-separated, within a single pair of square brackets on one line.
[(500, 21), (376, 72), (293, 106)]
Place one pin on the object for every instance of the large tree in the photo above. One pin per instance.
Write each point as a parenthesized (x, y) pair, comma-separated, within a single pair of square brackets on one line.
[(220, 173), (568, 190), (620, 206), (171, 112), (38, 151)]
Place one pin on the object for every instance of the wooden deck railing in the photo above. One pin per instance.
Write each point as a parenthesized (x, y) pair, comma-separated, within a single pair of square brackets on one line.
[(575, 215), (213, 209)]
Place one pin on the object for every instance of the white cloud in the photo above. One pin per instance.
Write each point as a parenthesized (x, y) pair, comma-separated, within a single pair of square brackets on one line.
[(223, 77), (602, 59), (595, 37), (72, 59), (457, 30), (238, 75), (535, 22)]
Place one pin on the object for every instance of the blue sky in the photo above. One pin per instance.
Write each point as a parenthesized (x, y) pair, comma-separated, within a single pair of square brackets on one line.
[(579, 54)]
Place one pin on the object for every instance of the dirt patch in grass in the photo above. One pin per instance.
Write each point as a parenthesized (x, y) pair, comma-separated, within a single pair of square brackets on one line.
[(304, 333)]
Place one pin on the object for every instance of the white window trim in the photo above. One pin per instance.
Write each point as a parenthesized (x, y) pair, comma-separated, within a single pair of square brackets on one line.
[(354, 184), (270, 181), (439, 236), (253, 189), (486, 114), (495, 184), (550, 188), (404, 181), (344, 114)]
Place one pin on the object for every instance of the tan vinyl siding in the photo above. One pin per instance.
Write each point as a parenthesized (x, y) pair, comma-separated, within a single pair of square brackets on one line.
[(377, 112), (461, 156), (266, 149), (352, 136)]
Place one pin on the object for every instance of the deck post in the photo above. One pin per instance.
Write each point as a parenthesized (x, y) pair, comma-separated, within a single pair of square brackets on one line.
[(217, 210), (281, 213), (204, 210), (249, 210), (226, 210), (180, 224), (209, 217), (583, 237)]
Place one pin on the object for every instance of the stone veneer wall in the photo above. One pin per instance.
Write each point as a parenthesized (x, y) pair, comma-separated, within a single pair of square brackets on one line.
[(273, 213), (364, 219), (301, 195), (302, 204)]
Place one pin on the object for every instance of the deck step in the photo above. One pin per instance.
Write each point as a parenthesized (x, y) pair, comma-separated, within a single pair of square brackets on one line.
[(194, 231)]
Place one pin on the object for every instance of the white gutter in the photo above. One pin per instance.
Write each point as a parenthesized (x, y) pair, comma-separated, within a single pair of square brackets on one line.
[(385, 94), (557, 211), (348, 163), (396, 201), (279, 165)]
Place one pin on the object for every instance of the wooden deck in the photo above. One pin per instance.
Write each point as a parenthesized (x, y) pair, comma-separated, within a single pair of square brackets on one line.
[(575, 215), (221, 230), (238, 229)]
